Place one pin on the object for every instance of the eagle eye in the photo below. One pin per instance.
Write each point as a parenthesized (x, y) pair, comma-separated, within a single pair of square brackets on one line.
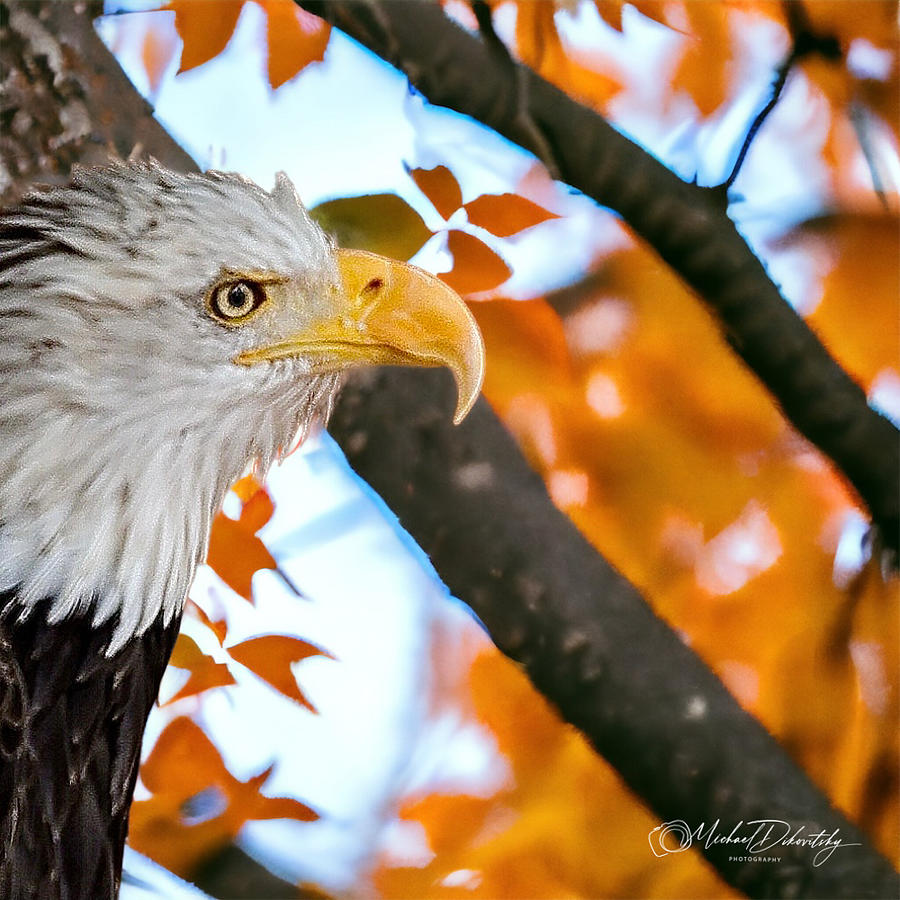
[(232, 301)]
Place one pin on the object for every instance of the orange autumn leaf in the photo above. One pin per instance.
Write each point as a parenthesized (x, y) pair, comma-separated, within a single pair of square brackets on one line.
[(526, 348), (611, 12), (872, 736), (205, 28), (296, 38), (157, 50), (219, 627), (271, 657), (205, 672), (476, 267), (851, 321), (197, 806), (510, 842), (529, 371), (257, 511), (235, 552), (246, 487), (874, 20), (440, 186), (704, 64), (539, 46), (183, 760), (506, 214)]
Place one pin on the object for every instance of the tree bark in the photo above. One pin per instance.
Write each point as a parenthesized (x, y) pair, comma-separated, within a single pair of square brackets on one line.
[(585, 636), (63, 101), (686, 225)]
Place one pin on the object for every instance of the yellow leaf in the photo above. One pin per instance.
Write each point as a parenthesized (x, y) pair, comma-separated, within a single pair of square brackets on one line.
[(205, 672), (381, 223)]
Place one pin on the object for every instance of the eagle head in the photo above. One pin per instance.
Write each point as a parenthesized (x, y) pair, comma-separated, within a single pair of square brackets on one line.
[(158, 332)]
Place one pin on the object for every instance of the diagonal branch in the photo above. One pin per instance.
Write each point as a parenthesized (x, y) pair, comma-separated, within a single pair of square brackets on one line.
[(687, 226), (585, 636)]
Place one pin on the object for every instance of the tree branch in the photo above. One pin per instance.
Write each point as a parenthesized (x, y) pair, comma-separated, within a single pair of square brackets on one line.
[(804, 42), (585, 636), (64, 102), (686, 225)]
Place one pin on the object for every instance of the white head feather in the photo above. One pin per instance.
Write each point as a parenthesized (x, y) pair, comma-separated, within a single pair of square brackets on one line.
[(123, 418)]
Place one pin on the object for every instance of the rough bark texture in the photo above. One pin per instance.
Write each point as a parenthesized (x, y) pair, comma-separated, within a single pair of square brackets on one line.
[(687, 226), (585, 636), (64, 102)]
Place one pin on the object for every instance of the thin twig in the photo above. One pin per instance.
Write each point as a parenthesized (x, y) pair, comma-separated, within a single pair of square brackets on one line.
[(860, 121), (517, 75), (804, 42), (777, 87)]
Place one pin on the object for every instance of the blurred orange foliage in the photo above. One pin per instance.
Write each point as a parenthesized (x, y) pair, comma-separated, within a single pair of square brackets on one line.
[(197, 806), (204, 671), (686, 463)]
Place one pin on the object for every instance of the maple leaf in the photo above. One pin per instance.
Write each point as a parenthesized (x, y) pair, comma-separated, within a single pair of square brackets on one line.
[(218, 627), (506, 214), (205, 672), (296, 39), (440, 186), (271, 657), (197, 806), (204, 28), (476, 267), (235, 552)]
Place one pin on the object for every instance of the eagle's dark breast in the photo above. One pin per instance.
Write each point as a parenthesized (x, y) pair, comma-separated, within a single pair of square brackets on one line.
[(71, 723)]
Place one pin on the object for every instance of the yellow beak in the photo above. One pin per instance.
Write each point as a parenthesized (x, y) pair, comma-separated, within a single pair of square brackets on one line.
[(391, 313)]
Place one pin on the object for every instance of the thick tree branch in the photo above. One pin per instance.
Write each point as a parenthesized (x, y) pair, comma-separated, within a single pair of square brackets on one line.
[(686, 225), (585, 636)]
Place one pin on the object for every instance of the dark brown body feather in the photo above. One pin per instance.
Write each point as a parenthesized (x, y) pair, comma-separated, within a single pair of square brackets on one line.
[(71, 723)]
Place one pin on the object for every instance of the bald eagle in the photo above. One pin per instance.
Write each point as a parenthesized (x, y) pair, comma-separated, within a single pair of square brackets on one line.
[(158, 333)]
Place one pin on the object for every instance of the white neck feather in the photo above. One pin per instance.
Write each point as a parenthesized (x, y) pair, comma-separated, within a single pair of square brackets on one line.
[(107, 514)]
